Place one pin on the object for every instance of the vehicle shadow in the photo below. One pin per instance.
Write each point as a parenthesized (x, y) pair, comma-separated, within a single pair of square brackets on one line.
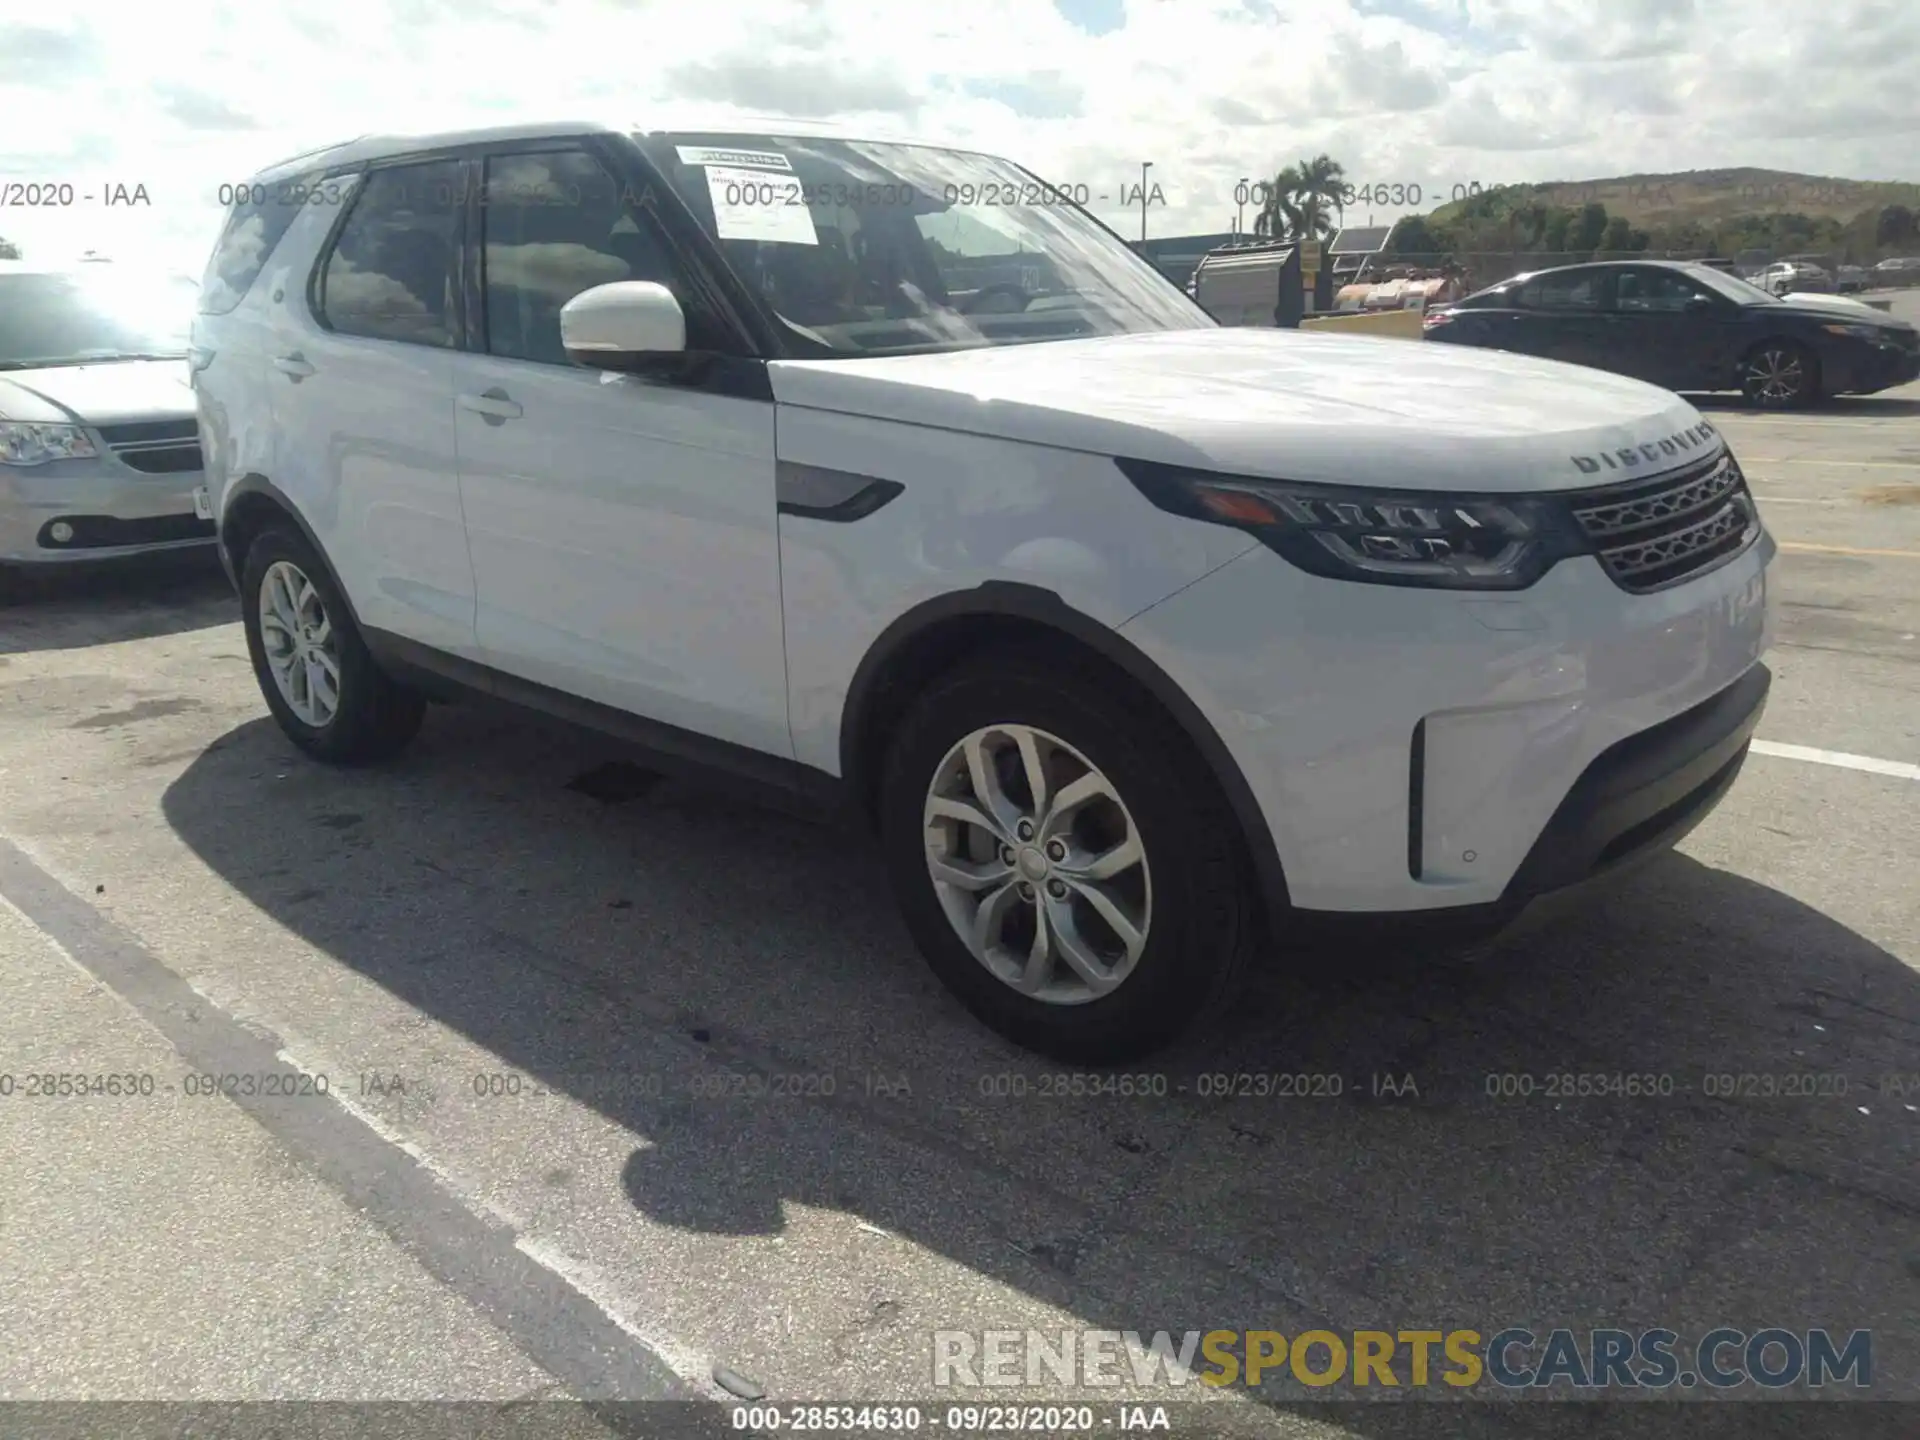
[(1866, 407), (1428, 1170), (135, 599)]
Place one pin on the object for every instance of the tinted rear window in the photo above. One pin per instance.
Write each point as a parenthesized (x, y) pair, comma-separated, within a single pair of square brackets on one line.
[(260, 217)]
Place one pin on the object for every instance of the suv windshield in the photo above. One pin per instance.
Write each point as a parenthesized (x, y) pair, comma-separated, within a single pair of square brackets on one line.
[(862, 248), (1731, 286), (64, 319)]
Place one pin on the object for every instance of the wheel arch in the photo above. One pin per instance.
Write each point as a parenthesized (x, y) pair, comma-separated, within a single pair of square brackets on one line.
[(940, 633), (253, 503)]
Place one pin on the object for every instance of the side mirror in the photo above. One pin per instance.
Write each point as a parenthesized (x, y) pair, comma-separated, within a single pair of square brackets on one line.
[(1699, 304), (622, 325)]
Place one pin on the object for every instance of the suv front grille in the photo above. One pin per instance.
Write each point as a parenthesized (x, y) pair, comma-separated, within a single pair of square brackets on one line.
[(1649, 534)]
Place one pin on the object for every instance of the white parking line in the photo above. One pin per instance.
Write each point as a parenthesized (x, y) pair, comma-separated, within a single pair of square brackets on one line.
[(1824, 463), (1900, 769)]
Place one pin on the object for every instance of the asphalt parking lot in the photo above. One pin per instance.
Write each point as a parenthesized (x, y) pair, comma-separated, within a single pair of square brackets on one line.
[(552, 1003)]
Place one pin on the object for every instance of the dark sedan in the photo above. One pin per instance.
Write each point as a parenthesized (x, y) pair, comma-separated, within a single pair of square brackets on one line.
[(1688, 327)]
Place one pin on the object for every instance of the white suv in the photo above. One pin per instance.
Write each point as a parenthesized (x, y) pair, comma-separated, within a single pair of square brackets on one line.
[(887, 476)]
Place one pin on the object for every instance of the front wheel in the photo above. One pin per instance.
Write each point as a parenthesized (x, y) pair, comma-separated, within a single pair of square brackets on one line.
[(1065, 863), (319, 680), (1780, 375)]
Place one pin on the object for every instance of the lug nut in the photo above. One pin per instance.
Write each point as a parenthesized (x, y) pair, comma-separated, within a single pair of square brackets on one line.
[(1026, 891), (1006, 854), (1056, 889), (1056, 849), (1024, 829)]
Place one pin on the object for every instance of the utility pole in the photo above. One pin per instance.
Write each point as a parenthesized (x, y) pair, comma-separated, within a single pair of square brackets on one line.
[(1145, 165)]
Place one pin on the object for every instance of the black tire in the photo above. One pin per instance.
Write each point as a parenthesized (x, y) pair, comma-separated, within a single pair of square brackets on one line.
[(1204, 916), (1771, 356), (377, 716)]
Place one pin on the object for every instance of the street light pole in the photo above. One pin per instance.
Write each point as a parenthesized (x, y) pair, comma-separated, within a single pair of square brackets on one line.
[(1145, 165), (1240, 207)]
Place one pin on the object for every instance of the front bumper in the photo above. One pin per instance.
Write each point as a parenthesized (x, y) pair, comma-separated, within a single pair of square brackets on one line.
[(1871, 368), (1418, 752), (1631, 805), (112, 509)]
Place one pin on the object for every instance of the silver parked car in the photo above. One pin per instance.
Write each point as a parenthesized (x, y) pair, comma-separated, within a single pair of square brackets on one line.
[(99, 435)]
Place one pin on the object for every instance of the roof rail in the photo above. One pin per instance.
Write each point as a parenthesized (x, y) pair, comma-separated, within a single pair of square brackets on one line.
[(318, 150)]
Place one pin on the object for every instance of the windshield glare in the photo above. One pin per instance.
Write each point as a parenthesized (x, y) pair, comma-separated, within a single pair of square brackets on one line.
[(61, 319), (863, 248)]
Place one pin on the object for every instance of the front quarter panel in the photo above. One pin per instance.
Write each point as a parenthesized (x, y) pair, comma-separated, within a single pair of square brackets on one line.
[(973, 510)]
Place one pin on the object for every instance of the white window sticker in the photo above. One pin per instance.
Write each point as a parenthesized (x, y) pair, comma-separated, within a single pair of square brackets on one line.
[(754, 159), (759, 205)]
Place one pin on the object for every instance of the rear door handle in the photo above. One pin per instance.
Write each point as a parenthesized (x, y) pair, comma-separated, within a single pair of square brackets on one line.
[(493, 406), (294, 366)]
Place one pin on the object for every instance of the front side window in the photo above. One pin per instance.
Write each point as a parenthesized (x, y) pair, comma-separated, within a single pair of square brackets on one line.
[(390, 276), (1655, 292), (862, 248), (91, 316), (1576, 290), (556, 224)]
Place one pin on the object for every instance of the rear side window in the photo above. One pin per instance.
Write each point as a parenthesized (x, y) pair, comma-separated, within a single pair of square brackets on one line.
[(260, 217), (391, 273), (1564, 292), (1655, 291)]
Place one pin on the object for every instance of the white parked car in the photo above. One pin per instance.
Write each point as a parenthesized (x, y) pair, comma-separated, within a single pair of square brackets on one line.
[(1796, 277), (1147, 646)]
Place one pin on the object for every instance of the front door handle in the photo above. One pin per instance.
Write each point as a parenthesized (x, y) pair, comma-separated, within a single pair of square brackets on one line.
[(493, 406), (294, 366)]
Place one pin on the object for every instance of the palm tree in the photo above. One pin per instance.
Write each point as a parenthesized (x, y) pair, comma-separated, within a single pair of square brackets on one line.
[(1299, 200), (1321, 186), (1279, 217)]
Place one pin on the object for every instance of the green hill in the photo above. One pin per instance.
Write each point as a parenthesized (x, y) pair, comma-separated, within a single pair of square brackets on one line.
[(1704, 197)]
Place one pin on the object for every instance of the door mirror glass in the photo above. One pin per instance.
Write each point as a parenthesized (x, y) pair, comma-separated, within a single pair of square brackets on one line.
[(620, 325)]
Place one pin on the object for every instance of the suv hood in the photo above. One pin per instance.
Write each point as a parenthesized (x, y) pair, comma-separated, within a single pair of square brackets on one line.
[(99, 394), (1283, 404)]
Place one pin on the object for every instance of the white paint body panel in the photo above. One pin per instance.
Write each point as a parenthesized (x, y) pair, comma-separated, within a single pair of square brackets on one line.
[(1316, 685), (624, 546), (364, 446), (1286, 404), (975, 509)]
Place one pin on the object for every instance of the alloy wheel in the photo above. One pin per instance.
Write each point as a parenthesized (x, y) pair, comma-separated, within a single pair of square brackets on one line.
[(1775, 376), (297, 635), (1038, 864)]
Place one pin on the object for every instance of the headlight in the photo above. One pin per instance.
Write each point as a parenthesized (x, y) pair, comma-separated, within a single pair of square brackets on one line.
[(1858, 332), (22, 444), (1386, 537)]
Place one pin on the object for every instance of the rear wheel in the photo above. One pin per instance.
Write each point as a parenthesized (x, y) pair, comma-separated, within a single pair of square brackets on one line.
[(319, 680), (1780, 375), (1063, 860)]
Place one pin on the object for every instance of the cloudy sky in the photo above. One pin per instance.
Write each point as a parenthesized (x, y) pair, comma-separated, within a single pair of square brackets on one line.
[(178, 96)]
